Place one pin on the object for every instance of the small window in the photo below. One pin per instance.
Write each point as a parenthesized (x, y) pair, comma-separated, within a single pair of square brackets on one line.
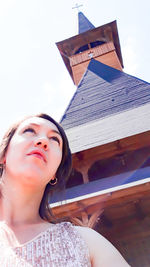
[(82, 49), (96, 43), (87, 47)]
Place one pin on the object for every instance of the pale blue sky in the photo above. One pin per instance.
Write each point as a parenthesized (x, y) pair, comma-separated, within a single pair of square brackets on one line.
[(33, 77)]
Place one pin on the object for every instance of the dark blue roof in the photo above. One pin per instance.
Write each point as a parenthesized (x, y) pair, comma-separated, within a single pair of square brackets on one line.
[(102, 92), (102, 184), (84, 23)]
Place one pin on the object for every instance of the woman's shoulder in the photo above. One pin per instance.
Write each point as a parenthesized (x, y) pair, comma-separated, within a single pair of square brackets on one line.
[(76, 234), (71, 228), (102, 252), (86, 233), (90, 236)]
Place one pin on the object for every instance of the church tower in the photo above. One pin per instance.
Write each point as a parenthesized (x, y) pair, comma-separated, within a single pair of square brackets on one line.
[(108, 126), (101, 43)]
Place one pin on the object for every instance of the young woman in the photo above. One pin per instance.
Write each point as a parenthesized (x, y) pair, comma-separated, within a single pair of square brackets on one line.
[(35, 160)]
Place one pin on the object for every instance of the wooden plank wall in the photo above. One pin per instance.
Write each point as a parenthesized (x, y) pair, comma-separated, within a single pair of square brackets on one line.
[(105, 53), (134, 246), (127, 226)]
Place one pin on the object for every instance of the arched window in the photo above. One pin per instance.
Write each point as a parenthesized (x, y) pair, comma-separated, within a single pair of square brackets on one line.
[(82, 49), (96, 43), (88, 46)]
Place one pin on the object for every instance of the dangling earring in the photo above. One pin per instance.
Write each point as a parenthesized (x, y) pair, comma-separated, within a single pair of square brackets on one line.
[(53, 182)]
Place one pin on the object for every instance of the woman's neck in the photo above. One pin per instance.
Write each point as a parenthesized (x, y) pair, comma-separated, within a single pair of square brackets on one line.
[(19, 204)]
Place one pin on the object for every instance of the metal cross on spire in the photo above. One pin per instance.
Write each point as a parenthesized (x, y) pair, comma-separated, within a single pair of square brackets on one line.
[(77, 6)]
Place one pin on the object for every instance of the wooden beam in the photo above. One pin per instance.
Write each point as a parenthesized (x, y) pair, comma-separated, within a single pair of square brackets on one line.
[(87, 220), (105, 199), (95, 217)]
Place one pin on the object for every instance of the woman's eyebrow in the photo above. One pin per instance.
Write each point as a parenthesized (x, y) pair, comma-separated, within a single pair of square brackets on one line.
[(33, 124)]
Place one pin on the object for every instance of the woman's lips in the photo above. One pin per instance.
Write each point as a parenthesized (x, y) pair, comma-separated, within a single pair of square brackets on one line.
[(38, 154)]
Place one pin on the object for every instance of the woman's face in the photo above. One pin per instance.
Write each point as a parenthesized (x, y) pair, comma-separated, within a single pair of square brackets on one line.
[(34, 153)]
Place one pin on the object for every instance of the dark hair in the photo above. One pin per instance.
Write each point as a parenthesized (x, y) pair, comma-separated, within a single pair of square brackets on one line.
[(63, 170)]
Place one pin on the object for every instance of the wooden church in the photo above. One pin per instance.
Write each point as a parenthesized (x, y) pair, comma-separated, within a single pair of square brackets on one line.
[(108, 125)]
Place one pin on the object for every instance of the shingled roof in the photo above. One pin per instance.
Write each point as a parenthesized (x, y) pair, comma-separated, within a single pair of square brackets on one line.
[(84, 23), (103, 92)]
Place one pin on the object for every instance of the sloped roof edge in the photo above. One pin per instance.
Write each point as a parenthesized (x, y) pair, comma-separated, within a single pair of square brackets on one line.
[(74, 95), (109, 129), (93, 189)]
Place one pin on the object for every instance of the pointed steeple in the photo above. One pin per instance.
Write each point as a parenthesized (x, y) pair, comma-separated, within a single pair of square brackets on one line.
[(84, 23)]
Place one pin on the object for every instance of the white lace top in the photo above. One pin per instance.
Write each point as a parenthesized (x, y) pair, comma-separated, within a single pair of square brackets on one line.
[(58, 246)]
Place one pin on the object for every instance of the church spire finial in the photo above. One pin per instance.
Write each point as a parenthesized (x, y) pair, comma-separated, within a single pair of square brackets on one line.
[(77, 7)]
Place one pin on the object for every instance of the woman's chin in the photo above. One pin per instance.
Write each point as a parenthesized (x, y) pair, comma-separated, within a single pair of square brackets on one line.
[(28, 176)]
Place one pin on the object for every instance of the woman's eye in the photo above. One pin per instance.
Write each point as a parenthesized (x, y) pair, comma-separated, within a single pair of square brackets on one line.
[(55, 138), (31, 130)]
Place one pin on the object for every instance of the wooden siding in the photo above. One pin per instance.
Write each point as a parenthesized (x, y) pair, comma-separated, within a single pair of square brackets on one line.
[(129, 230), (96, 51), (104, 53)]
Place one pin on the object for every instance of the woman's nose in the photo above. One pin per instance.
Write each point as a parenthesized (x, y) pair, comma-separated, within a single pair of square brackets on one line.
[(42, 143)]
